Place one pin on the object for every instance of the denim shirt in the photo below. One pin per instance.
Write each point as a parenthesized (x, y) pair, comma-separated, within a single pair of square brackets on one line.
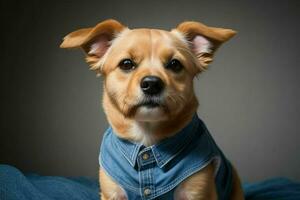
[(154, 172)]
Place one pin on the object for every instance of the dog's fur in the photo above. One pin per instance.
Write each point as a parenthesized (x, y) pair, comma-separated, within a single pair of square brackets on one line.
[(194, 45)]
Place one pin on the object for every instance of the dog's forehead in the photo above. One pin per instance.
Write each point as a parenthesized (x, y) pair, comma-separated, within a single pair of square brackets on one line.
[(142, 37), (149, 33)]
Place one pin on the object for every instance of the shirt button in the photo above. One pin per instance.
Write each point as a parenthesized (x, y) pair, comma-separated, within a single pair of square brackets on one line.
[(145, 156), (147, 192)]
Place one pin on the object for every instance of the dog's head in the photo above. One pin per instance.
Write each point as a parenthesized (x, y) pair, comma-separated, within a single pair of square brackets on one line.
[(148, 73)]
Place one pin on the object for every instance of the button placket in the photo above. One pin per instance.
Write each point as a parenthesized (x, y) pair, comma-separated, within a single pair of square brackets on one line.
[(147, 189), (145, 159), (146, 162)]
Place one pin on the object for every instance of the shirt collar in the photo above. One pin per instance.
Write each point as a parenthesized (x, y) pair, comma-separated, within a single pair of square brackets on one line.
[(165, 150)]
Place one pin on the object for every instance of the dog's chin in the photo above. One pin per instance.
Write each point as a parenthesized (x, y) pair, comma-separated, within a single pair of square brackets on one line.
[(151, 113)]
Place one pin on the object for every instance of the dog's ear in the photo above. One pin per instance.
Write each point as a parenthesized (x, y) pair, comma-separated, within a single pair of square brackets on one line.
[(95, 41), (203, 40)]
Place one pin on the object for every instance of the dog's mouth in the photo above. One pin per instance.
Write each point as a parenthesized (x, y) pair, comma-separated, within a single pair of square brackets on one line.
[(150, 109), (149, 104)]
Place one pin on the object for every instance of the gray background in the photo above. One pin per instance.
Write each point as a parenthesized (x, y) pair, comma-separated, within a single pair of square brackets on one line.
[(51, 115)]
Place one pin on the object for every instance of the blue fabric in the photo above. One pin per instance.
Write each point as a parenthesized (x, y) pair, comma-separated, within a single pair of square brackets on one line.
[(279, 189), (159, 168), (14, 185)]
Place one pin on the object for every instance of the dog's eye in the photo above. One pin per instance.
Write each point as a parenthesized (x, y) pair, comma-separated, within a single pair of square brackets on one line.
[(127, 65), (174, 65)]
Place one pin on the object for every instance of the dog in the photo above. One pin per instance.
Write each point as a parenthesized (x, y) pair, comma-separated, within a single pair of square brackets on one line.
[(156, 147)]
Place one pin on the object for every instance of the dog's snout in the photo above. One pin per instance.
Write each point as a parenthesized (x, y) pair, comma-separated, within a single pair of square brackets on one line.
[(152, 85)]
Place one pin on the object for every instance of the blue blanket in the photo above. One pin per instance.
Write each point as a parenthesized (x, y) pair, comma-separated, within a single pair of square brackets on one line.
[(14, 185)]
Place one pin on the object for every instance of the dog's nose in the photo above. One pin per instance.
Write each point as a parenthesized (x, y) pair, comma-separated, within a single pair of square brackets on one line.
[(152, 85)]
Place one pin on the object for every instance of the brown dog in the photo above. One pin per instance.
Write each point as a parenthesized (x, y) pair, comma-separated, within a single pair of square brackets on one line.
[(149, 97)]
